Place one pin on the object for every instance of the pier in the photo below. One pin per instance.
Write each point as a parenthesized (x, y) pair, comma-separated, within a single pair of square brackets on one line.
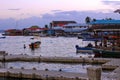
[(27, 58), (41, 74), (106, 64)]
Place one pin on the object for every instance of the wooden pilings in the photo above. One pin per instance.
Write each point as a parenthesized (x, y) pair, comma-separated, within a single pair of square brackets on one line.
[(94, 73)]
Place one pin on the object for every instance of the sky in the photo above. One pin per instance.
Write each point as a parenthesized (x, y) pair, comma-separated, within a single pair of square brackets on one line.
[(25, 13)]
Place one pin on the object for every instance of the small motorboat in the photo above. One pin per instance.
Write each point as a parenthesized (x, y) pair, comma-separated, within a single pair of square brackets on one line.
[(35, 45), (2, 37)]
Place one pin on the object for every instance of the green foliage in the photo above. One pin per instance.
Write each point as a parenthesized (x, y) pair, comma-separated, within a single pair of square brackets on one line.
[(34, 26), (46, 26)]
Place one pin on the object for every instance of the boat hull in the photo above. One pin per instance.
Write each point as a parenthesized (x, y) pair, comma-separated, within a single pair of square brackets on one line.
[(83, 49), (35, 45), (106, 53)]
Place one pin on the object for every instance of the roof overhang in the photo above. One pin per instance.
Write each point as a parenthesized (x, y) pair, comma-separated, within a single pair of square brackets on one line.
[(112, 30)]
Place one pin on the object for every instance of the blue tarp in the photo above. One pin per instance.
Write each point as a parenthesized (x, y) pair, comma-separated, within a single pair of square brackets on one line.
[(105, 22)]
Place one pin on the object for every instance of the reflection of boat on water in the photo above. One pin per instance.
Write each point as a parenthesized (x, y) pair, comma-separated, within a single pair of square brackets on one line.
[(35, 45)]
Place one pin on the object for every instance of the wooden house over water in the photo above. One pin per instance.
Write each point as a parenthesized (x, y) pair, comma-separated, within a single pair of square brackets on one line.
[(106, 25), (108, 30), (13, 32)]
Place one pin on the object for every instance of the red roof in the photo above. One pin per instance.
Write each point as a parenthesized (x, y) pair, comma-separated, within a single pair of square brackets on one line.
[(10, 30), (35, 29)]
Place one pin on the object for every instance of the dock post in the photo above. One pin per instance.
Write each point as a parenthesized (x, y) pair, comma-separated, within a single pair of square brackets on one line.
[(7, 74), (94, 73), (33, 76), (20, 75)]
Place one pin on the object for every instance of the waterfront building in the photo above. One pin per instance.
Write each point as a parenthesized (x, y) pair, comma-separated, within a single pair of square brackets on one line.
[(64, 28), (60, 23), (106, 25), (107, 29), (74, 28), (58, 31), (56, 27), (34, 31), (13, 32)]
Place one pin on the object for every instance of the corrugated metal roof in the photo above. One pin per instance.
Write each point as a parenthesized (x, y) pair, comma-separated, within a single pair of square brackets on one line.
[(105, 22)]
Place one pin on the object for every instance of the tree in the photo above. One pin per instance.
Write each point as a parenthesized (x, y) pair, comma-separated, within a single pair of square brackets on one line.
[(45, 31), (94, 20), (35, 26), (46, 26), (87, 19), (50, 25)]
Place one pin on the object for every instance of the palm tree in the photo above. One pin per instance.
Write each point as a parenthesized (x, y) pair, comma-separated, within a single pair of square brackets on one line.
[(46, 26), (35, 26), (87, 19), (94, 19), (117, 11)]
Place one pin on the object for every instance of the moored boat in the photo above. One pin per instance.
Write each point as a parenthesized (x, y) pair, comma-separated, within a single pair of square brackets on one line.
[(83, 49), (106, 53), (2, 37), (35, 45)]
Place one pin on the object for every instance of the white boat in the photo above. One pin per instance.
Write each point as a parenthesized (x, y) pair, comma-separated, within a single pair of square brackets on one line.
[(2, 37)]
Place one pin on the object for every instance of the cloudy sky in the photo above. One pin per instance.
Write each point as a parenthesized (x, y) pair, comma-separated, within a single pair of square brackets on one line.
[(25, 13)]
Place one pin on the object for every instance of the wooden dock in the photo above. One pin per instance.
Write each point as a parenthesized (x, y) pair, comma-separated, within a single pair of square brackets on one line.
[(41, 74), (107, 63), (12, 58)]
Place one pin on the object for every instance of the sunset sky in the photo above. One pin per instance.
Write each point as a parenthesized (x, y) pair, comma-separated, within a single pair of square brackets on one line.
[(41, 12)]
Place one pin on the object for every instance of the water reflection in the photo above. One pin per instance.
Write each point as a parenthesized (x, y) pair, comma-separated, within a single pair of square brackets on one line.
[(76, 68)]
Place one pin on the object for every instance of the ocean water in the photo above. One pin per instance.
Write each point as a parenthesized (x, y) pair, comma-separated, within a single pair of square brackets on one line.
[(50, 46)]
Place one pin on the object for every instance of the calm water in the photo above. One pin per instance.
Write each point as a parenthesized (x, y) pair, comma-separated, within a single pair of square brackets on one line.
[(58, 46), (50, 46)]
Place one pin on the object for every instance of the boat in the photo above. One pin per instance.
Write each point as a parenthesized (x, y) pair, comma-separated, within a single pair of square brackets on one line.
[(83, 49), (35, 45), (92, 39), (2, 37), (87, 36), (106, 53)]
